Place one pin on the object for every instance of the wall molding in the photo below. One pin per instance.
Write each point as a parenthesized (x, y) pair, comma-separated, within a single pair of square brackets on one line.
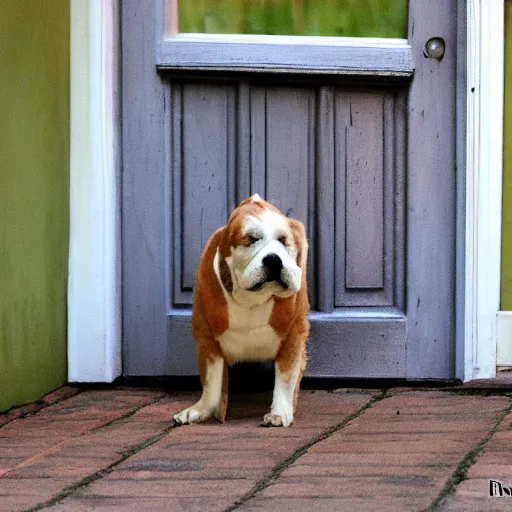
[(485, 61), (94, 287)]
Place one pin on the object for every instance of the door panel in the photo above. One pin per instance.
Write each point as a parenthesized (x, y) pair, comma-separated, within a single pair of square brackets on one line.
[(203, 127), (285, 129), (369, 193), (287, 177), (354, 346), (364, 185), (367, 164)]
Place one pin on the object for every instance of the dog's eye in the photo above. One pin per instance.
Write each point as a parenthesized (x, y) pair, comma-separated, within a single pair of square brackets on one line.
[(282, 240), (252, 239)]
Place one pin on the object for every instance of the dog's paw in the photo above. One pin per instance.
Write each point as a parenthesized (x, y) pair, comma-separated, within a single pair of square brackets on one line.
[(194, 414), (277, 420)]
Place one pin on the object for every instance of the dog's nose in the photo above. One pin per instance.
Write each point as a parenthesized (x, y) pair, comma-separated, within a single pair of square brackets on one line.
[(272, 262)]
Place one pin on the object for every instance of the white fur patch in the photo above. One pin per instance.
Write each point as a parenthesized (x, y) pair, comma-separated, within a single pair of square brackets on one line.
[(281, 412), (271, 224), (256, 344), (210, 399), (249, 336), (255, 197)]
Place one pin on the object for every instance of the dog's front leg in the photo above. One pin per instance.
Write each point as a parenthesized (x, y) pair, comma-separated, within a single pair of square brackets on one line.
[(213, 371), (289, 367)]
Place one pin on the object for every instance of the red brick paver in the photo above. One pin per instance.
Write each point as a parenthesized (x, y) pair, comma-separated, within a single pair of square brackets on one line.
[(43, 454), (494, 463), (49, 399), (398, 455), (354, 451), (210, 466)]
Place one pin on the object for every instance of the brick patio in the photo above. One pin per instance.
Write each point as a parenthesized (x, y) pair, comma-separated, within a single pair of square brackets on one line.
[(349, 450)]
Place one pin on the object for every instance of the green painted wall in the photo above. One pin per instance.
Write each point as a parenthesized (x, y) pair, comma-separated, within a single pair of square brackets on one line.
[(506, 252), (34, 197)]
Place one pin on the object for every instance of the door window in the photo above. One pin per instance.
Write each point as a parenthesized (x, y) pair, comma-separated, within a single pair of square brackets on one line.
[(285, 36), (334, 18)]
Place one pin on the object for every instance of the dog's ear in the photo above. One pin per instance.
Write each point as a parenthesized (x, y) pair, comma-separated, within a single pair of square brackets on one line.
[(225, 276), (301, 242)]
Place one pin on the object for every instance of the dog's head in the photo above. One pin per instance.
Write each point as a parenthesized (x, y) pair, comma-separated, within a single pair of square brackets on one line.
[(262, 253)]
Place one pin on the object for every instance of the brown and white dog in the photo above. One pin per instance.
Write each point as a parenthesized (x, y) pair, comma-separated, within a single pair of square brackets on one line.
[(251, 304)]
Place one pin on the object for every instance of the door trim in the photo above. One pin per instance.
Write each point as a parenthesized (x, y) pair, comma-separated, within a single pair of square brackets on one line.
[(484, 150), (94, 298), (94, 290)]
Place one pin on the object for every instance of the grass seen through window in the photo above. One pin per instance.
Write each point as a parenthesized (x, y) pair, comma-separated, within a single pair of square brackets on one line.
[(349, 18)]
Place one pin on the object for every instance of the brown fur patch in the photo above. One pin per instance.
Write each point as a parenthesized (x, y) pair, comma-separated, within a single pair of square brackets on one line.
[(210, 310), (300, 240)]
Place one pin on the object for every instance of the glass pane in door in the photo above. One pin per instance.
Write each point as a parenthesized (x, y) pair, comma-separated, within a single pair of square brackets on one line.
[(335, 18)]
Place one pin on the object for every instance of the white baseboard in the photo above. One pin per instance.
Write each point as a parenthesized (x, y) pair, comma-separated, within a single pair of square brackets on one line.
[(504, 338)]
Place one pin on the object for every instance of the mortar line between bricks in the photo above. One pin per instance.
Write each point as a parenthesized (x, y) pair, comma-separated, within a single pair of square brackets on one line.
[(128, 414), (276, 471), (115, 421), (460, 473), (70, 490), (43, 405)]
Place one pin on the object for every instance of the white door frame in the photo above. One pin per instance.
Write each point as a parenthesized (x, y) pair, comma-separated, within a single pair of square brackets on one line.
[(484, 157), (94, 290), (94, 286)]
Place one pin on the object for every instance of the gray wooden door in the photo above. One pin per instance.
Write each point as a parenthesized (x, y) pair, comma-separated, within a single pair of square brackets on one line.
[(366, 159)]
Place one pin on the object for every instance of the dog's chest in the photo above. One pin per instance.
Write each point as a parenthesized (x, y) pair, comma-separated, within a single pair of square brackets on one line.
[(249, 336)]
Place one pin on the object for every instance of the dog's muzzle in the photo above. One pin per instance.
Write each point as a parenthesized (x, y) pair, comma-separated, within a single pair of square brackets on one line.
[(273, 266)]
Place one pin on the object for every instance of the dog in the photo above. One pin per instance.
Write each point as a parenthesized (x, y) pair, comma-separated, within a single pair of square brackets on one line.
[(251, 304)]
